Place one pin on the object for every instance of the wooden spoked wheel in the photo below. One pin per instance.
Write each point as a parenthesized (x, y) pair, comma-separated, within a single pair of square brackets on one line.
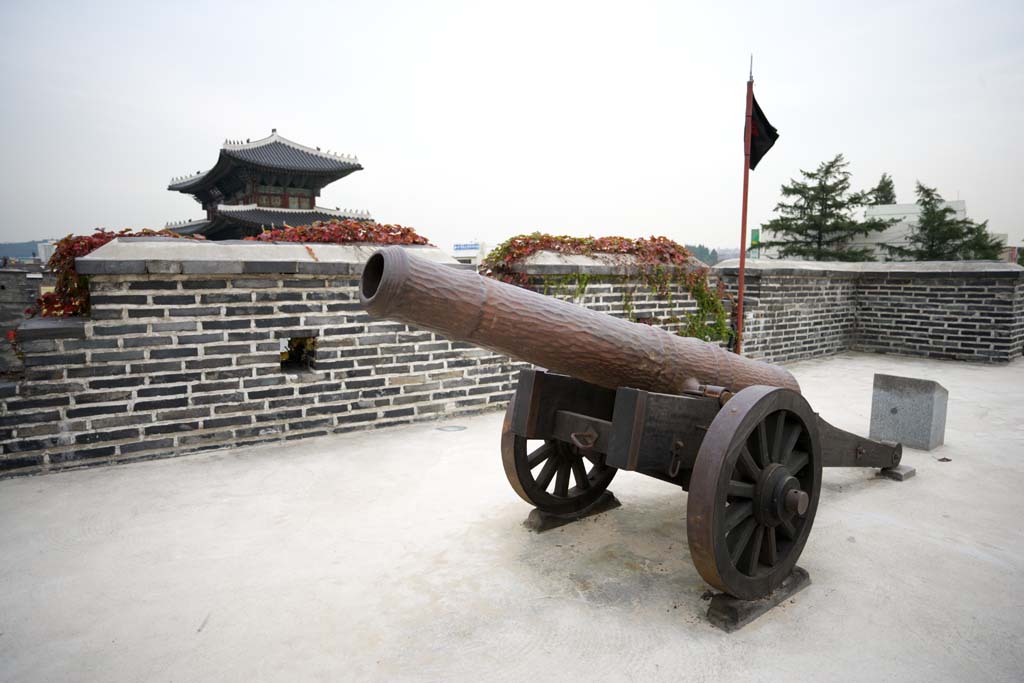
[(556, 477), (754, 491)]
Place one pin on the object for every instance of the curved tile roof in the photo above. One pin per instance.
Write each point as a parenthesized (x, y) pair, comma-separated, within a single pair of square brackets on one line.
[(184, 181), (279, 152), (262, 215), (273, 152), (189, 227)]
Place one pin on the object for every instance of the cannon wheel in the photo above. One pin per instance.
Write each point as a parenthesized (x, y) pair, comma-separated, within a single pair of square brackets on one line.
[(754, 491), (543, 476)]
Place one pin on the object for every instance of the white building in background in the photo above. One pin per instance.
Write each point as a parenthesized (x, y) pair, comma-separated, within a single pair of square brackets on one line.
[(899, 232), (905, 217), (472, 252), (44, 250)]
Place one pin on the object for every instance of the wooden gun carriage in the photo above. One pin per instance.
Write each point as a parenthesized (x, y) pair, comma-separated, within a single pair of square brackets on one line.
[(733, 432)]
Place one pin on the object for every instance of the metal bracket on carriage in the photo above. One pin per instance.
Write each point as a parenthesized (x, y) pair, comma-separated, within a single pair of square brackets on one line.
[(710, 391), (585, 439), (845, 449)]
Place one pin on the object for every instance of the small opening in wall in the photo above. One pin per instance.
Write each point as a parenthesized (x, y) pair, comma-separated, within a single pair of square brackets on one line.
[(298, 354)]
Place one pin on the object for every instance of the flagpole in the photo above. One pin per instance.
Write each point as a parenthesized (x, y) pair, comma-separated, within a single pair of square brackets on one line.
[(743, 220)]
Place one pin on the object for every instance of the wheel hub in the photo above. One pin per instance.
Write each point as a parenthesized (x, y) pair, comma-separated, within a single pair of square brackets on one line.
[(778, 496)]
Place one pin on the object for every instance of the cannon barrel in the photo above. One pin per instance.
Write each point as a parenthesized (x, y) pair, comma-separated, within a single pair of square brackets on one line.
[(547, 332)]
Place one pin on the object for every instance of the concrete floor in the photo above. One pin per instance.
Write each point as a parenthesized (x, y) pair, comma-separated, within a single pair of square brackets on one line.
[(400, 554)]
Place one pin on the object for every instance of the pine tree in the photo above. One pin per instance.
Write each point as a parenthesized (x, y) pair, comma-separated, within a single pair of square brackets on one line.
[(818, 222), (884, 192), (939, 235)]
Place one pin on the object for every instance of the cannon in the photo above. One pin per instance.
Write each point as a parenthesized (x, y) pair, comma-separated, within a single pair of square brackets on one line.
[(735, 433)]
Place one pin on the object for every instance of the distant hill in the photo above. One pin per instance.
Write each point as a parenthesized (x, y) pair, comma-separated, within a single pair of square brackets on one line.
[(19, 249)]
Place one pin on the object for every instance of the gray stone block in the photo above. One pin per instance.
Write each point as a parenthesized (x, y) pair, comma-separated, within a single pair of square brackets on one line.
[(908, 410), (51, 328), (211, 268), (85, 266), (269, 267), (163, 267)]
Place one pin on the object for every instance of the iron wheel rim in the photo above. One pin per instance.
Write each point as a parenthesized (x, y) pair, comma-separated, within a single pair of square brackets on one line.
[(762, 445)]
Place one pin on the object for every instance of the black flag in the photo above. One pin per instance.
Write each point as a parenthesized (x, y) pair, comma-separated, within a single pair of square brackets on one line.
[(762, 135)]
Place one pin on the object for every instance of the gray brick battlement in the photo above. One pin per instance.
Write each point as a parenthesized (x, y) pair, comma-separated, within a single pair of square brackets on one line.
[(970, 310), (874, 268), (183, 347)]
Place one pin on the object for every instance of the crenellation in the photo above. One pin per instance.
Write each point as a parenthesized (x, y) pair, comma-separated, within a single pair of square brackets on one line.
[(177, 363)]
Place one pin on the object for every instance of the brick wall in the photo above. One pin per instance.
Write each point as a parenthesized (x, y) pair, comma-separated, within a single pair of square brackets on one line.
[(1017, 335), (175, 363), (789, 317), (19, 289), (184, 354), (956, 311), (953, 317)]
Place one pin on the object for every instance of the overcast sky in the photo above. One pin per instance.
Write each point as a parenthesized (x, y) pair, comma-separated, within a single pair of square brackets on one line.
[(478, 120)]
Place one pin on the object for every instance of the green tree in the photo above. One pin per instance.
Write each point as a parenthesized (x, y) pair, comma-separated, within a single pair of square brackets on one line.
[(938, 235), (885, 191), (816, 217), (700, 252)]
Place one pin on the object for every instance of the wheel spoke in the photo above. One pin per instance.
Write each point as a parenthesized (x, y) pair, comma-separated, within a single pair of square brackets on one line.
[(736, 513), (539, 455), (547, 473), (562, 481), (741, 538), (762, 445), (796, 461), (780, 426), (769, 552), (792, 434), (747, 460), (788, 529), (594, 459), (579, 473), (741, 489), (755, 550)]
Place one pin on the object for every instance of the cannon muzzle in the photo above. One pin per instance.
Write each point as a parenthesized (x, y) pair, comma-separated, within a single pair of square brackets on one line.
[(550, 333)]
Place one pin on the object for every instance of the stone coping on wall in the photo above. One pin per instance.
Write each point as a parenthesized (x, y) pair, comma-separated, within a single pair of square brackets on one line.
[(171, 256), (916, 268)]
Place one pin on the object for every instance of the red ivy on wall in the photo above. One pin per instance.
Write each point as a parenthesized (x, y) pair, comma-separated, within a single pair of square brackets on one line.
[(343, 232), (648, 251), (654, 258), (71, 293)]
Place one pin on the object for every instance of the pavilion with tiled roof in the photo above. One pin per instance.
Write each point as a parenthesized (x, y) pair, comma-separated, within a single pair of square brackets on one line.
[(264, 184)]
